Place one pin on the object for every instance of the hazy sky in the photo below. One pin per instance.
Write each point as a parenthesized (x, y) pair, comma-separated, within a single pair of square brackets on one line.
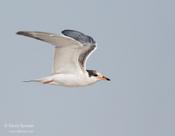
[(136, 49)]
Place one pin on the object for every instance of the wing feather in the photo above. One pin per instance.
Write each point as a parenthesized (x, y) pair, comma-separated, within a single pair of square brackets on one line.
[(71, 49), (87, 41), (51, 38)]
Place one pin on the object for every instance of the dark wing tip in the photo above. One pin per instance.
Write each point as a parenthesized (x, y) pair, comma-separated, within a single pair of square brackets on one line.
[(20, 32), (79, 36), (30, 34), (27, 33), (23, 33)]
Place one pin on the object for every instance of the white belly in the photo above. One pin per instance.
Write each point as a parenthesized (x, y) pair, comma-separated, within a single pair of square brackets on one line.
[(69, 80)]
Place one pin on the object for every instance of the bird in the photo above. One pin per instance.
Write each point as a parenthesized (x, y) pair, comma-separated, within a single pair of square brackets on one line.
[(71, 51)]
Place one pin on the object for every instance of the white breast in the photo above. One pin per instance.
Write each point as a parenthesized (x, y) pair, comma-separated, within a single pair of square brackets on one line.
[(71, 80)]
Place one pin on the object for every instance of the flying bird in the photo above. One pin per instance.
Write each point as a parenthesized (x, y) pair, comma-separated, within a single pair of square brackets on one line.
[(72, 49)]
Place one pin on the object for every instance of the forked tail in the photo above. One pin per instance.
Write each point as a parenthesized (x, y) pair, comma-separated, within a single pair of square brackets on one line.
[(32, 81), (42, 81)]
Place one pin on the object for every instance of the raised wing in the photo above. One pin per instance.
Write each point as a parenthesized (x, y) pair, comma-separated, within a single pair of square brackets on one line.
[(51, 38), (78, 36), (87, 41), (71, 49)]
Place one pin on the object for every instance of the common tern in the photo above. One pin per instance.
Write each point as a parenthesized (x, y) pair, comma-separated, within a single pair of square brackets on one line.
[(72, 49)]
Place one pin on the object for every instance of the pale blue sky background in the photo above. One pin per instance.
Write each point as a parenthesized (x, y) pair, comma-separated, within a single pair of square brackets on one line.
[(136, 49)]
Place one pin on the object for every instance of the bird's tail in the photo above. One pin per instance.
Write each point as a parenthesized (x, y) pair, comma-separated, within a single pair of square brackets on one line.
[(32, 81), (44, 80)]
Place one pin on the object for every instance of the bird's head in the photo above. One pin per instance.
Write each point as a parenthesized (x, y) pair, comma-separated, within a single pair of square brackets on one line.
[(97, 76)]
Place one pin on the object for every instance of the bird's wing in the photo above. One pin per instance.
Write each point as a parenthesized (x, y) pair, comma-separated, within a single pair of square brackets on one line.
[(89, 45), (66, 60), (51, 38), (71, 49)]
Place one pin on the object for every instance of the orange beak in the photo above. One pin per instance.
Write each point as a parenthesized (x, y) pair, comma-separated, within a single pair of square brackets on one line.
[(104, 78)]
